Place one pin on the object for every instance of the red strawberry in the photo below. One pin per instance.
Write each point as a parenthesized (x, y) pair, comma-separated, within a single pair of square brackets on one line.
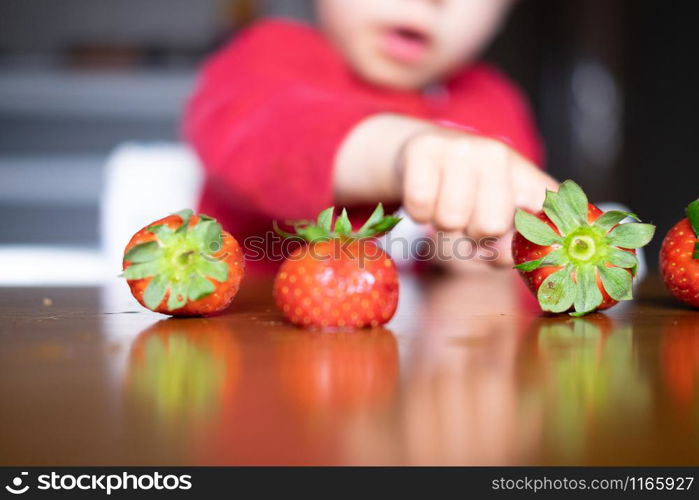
[(340, 278), (184, 265), (575, 258), (679, 257)]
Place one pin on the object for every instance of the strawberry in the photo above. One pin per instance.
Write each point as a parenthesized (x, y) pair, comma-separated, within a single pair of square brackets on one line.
[(573, 256), (184, 265), (339, 278), (679, 257)]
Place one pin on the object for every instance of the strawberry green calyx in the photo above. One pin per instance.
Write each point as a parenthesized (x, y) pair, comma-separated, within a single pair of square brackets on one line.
[(693, 216), (322, 229), (584, 252), (179, 260)]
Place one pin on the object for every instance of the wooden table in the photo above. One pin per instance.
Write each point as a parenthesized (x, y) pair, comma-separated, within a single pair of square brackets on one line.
[(466, 373)]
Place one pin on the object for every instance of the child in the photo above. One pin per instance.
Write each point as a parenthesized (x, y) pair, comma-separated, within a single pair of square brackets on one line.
[(384, 102)]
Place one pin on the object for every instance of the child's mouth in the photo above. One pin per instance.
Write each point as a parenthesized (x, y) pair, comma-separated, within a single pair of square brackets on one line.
[(404, 44)]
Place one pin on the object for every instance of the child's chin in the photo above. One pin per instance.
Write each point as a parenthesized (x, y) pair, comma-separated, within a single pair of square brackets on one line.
[(394, 77)]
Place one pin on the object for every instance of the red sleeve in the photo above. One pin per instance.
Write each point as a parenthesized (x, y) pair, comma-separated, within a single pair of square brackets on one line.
[(268, 116)]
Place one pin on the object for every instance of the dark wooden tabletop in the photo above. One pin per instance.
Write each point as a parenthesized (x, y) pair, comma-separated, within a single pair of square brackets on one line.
[(466, 373)]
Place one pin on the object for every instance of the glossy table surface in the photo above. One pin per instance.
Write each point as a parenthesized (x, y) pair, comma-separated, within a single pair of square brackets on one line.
[(466, 373)]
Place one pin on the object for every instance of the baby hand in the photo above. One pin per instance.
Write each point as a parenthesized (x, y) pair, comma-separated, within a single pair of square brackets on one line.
[(467, 183)]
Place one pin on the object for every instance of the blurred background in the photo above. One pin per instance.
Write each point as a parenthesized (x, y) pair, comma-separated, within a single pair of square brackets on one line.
[(612, 84)]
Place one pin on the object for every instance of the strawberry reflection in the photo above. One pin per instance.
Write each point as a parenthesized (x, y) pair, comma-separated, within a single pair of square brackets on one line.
[(583, 373), (680, 359), (326, 374), (182, 374), (298, 394), (200, 393)]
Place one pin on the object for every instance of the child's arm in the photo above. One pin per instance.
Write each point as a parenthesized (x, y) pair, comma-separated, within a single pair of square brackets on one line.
[(451, 179)]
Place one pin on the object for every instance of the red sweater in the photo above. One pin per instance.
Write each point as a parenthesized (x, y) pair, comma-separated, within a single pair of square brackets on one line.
[(273, 106)]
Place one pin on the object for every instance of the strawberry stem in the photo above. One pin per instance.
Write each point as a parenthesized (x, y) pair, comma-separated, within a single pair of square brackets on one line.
[(582, 247), (322, 229)]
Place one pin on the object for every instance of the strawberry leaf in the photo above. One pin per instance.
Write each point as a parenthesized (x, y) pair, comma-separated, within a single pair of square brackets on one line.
[(696, 251), (283, 233), (574, 200), (551, 210), (144, 252), (325, 219), (534, 229), (208, 233), (383, 226), (178, 295), (564, 216), (155, 291), (693, 216), (142, 270), (621, 258), (212, 236), (587, 296), (216, 269), (610, 219), (530, 265), (343, 226), (199, 287), (616, 281), (555, 258), (631, 235), (164, 234), (185, 215), (312, 233), (557, 292), (376, 216)]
